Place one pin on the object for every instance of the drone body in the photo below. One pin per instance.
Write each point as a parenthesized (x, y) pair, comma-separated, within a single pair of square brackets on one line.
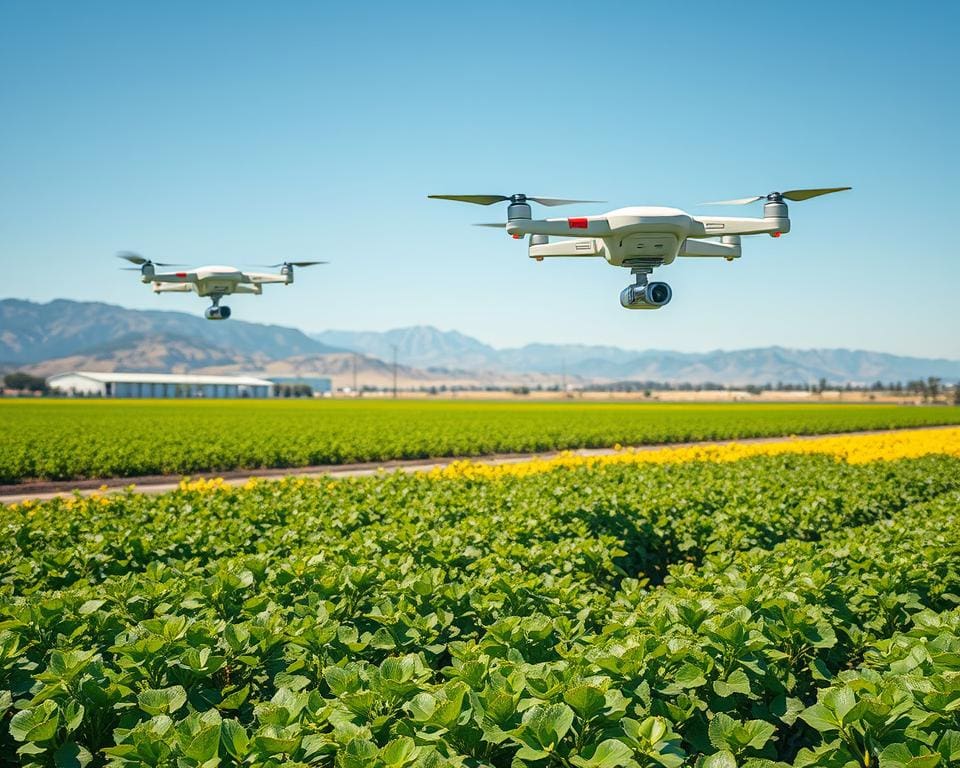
[(214, 281), (641, 238)]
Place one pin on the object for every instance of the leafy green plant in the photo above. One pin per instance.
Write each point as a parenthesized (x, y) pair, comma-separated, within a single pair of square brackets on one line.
[(67, 439), (773, 611)]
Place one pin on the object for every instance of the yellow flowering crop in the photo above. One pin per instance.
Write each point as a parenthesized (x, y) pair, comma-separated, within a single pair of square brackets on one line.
[(854, 449), (202, 484)]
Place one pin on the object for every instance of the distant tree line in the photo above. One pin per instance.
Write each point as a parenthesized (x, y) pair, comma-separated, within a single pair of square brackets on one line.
[(929, 389), (25, 382), (292, 390)]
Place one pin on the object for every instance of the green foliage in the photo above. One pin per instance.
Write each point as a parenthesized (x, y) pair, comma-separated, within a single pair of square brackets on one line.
[(25, 382), (773, 611), (66, 439)]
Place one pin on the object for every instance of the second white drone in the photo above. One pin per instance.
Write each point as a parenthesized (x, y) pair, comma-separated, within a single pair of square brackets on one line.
[(641, 238), (213, 281)]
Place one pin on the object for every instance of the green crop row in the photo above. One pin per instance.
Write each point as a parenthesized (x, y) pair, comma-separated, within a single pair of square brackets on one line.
[(568, 520), (661, 615), (83, 439)]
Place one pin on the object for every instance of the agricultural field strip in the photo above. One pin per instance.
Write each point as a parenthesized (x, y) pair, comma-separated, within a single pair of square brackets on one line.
[(588, 591), (155, 485), (825, 613), (737, 679), (726, 645), (661, 513), (77, 439)]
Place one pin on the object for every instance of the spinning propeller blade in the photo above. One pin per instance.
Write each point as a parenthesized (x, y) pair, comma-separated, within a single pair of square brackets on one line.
[(136, 258), (519, 198), (806, 194), (497, 226), (551, 201), (791, 194), (290, 264), (476, 199), (133, 258)]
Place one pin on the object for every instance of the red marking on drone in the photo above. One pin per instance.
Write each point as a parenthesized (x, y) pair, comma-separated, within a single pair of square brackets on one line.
[(577, 223), (181, 274), (516, 237), (775, 234)]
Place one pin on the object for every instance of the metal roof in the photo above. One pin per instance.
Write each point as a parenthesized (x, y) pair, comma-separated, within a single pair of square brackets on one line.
[(163, 378)]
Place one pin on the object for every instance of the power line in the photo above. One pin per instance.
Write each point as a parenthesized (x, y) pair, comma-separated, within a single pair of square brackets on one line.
[(394, 371)]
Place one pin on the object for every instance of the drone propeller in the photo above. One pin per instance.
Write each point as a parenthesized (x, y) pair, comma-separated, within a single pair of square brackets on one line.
[(519, 198), (136, 258), (291, 264), (501, 225), (792, 194)]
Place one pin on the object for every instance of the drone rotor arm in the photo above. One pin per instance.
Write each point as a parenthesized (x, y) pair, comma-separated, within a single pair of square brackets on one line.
[(262, 278), (161, 287), (738, 201), (174, 277), (577, 226)]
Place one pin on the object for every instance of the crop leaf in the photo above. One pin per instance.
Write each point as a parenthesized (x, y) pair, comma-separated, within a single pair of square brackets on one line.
[(724, 759), (38, 724), (609, 753), (72, 755), (162, 701)]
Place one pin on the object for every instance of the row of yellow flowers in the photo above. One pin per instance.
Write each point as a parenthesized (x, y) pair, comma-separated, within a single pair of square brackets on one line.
[(855, 449)]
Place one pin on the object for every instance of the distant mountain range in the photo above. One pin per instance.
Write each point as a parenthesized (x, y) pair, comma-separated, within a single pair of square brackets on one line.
[(31, 332), (425, 346), (68, 335)]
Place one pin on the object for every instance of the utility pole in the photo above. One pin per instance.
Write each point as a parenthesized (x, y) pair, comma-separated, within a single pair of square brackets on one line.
[(355, 392), (394, 371), (563, 364)]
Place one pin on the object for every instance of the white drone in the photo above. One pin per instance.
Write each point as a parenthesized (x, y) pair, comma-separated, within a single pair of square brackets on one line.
[(213, 282), (641, 238)]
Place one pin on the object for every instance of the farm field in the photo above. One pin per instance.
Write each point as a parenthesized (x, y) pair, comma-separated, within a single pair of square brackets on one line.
[(783, 604), (63, 440)]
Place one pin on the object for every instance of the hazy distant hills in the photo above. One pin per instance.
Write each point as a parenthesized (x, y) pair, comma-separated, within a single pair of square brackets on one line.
[(68, 335), (427, 346), (423, 346), (31, 332)]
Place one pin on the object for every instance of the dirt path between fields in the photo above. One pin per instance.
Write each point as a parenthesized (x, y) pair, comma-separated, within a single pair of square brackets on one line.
[(154, 484)]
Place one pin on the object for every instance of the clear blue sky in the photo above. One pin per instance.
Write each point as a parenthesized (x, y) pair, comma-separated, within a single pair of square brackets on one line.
[(253, 132)]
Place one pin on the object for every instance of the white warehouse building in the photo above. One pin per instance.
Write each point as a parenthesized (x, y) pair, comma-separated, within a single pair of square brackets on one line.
[(98, 384)]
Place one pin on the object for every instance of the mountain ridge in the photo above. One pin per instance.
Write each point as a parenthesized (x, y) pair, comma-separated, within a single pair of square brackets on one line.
[(31, 332), (751, 365), (68, 335)]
